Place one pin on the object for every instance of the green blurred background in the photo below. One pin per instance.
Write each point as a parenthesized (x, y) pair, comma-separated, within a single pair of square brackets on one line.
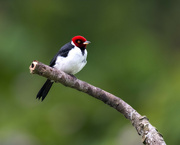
[(134, 54)]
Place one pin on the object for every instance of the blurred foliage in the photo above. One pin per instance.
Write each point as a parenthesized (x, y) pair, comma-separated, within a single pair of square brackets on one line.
[(134, 54)]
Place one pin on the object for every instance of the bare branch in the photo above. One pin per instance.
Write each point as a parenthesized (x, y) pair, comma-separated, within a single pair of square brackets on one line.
[(149, 134)]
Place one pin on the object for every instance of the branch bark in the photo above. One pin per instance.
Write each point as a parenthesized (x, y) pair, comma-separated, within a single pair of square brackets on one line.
[(149, 134)]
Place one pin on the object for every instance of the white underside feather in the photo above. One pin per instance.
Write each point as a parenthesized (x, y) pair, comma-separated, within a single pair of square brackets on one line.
[(73, 63)]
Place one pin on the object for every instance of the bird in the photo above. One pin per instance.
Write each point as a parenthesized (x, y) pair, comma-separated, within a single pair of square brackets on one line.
[(71, 58)]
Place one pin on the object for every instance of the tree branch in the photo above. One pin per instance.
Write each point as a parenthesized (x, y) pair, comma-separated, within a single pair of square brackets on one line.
[(149, 134)]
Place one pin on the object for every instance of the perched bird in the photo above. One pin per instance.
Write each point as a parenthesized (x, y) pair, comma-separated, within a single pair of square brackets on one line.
[(71, 58)]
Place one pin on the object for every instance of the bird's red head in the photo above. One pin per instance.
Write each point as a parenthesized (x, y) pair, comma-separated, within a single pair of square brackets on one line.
[(80, 41)]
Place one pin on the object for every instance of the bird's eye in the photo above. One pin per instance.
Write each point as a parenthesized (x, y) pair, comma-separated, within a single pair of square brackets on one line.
[(79, 41)]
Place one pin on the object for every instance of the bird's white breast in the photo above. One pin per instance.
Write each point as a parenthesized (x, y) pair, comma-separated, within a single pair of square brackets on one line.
[(74, 61)]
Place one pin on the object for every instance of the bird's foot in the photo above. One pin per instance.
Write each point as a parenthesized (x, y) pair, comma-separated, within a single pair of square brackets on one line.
[(72, 76)]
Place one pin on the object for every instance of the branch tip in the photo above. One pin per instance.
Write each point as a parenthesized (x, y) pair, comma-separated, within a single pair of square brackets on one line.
[(33, 66)]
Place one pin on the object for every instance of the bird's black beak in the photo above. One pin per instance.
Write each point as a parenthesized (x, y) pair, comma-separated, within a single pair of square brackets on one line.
[(86, 42)]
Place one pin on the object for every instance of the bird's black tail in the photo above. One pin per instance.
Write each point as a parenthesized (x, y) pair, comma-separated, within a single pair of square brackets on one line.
[(44, 90)]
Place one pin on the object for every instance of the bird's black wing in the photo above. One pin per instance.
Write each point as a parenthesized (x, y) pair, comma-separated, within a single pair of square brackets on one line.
[(62, 52)]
